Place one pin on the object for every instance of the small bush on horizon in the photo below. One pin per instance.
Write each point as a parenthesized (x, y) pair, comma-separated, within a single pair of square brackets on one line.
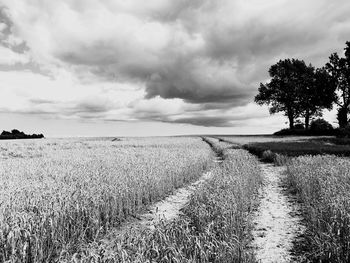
[(320, 125), (344, 132), (299, 126), (16, 134), (268, 156)]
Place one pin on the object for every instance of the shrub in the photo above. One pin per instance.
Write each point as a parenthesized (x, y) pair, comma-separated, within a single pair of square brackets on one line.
[(16, 134), (298, 132), (320, 126), (317, 127), (299, 126), (268, 156), (343, 132)]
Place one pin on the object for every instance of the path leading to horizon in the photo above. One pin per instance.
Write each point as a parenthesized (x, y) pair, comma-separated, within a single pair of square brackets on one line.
[(168, 208), (277, 221)]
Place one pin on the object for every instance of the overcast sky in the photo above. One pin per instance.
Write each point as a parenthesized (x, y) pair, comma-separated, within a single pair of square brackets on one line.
[(155, 67)]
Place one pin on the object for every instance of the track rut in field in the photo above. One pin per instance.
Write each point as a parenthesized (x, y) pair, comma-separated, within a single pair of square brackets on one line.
[(277, 221), (169, 208)]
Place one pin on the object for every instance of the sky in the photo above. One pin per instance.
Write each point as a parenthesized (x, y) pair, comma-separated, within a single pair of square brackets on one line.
[(155, 67)]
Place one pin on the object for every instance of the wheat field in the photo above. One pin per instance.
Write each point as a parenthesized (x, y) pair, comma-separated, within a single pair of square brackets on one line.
[(323, 185), (58, 194), (62, 200)]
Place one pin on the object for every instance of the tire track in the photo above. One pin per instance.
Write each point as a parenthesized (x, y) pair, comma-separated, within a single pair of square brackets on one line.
[(277, 221), (170, 207)]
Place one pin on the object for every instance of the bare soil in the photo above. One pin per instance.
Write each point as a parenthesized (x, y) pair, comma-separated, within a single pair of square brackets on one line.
[(164, 210), (277, 221), (170, 208)]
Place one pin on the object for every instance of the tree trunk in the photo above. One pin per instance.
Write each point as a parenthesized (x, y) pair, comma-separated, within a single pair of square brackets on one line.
[(307, 119), (342, 117), (291, 121)]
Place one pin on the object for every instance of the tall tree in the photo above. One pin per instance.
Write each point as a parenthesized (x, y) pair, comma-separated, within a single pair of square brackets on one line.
[(316, 92), (298, 90), (339, 69), (305, 97), (281, 94)]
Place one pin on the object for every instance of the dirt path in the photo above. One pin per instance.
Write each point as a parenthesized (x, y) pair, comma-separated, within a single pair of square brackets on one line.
[(277, 222), (170, 208), (166, 209)]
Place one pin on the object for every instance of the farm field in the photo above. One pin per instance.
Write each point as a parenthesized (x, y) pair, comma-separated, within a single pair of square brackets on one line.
[(213, 227), (58, 194), (245, 139), (317, 172), (297, 148), (174, 131), (323, 186), (83, 200)]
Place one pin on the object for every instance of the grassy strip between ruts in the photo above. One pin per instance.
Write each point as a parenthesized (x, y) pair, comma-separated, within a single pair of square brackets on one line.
[(323, 184), (219, 145), (214, 226)]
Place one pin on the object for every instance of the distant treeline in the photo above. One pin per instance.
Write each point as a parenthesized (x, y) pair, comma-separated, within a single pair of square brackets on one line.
[(302, 92), (16, 134)]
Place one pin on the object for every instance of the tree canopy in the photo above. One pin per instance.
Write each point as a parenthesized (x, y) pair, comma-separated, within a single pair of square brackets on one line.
[(339, 69), (16, 134), (297, 89), (317, 92)]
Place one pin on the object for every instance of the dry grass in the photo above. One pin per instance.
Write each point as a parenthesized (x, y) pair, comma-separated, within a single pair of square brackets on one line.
[(323, 184), (219, 146), (57, 195), (214, 227)]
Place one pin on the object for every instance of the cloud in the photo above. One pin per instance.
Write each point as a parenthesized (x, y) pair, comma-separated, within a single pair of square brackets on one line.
[(94, 105), (177, 111), (198, 81), (206, 121), (64, 97), (174, 61), (38, 101), (8, 57)]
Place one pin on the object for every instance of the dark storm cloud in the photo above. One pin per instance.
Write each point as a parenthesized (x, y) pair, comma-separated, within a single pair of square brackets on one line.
[(210, 54), (195, 90), (195, 119), (233, 57)]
